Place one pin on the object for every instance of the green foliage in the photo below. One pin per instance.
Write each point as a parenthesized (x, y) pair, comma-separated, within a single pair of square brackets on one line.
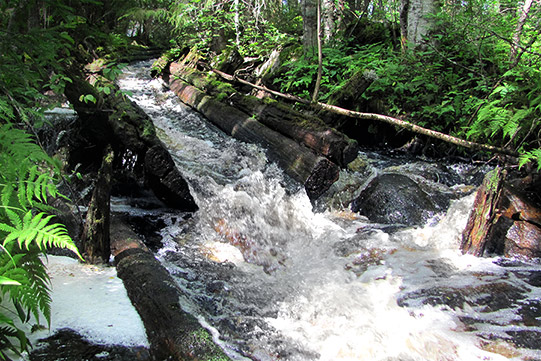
[(26, 184), (213, 25), (339, 64)]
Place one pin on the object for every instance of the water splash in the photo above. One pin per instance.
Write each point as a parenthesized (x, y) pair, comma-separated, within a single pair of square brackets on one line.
[(277, 280)]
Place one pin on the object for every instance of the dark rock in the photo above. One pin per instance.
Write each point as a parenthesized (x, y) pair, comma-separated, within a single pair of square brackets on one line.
[(396, 198), (166, 181), (68, 345), (526, 338)]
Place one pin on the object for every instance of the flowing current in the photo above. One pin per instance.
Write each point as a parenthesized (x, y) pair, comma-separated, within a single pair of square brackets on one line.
[(275, 277)]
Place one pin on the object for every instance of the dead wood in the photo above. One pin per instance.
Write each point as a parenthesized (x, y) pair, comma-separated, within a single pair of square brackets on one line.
[(382, 118)]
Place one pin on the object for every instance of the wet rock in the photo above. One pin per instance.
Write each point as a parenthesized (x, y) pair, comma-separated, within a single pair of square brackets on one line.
[(68, 345), (526, 338), (487, 298), (523, 236), (396, 198)]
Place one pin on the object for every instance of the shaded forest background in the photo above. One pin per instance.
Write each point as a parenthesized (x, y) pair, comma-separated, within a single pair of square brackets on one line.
[(465, 68)]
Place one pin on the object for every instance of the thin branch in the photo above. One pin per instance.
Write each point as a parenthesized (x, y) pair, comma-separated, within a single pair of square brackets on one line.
[(382, 118)]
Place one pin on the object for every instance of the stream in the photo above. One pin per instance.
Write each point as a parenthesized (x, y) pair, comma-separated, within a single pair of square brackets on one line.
[(275, 277)]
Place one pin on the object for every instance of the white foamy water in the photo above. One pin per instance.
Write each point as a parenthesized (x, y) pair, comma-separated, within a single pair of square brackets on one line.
[(276, 280)]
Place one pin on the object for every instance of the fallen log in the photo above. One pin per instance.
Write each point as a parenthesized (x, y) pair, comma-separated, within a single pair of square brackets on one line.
[(480, 226), (382, 118), (173, 333), (308, 130), (114, 119), (315, 172)]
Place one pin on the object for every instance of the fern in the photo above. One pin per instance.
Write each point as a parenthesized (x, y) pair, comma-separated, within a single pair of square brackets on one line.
[(27, 181), (531, 156)]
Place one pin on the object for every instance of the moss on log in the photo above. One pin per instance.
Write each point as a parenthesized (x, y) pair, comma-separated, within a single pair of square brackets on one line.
[(480, 226), (173, 333), (317, 173), (95, 238), (308, 130), (114, 119)]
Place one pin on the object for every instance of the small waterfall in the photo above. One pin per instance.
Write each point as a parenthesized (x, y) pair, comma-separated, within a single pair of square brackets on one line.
[(276, 279)]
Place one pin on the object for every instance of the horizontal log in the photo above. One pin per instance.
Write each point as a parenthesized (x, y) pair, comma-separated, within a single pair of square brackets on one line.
[(173, 333), (315, 172)]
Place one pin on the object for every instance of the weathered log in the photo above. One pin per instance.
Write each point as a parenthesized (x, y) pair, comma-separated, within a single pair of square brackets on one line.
[(480, 226), (95, 238), (381, 118), (502, 222), (315, 172), (308, 130), (173, 333), (305, 129), (348, 95), (114, 119)]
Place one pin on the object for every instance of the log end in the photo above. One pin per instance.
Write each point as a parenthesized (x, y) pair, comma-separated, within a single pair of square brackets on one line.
[(323, 175)]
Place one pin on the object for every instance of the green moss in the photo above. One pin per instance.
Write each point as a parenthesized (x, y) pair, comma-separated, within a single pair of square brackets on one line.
[(204, 348)]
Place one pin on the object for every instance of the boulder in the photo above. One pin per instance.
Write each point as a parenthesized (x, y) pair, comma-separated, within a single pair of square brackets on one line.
[(396, 198), (517, 227)]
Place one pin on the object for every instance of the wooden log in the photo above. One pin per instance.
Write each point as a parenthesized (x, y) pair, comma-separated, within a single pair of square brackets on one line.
[(95, 239), (480, 226), (382, 118), (308, 130), (305, 129), (173, 333), (348, 95), (125, 126), (315, 172)]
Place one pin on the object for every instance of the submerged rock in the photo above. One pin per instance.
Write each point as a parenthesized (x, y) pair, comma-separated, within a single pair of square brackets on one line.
[(396, 198)]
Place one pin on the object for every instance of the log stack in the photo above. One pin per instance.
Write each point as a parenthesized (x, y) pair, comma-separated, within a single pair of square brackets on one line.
[(303, 146)]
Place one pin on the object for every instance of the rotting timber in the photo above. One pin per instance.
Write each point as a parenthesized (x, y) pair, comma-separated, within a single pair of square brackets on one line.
[(173, 333), (112, 119), (303, 146)]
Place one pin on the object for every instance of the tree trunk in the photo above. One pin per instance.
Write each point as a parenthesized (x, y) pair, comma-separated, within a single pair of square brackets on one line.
[(404, 6), (315, 95), (386, 119), (129, 129), (309, 34), (419, 21), (95, 238), (513, 58), (310, 131), (480, 227)]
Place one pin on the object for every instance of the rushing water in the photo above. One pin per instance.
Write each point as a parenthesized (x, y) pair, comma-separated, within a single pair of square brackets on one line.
[(276, 280)]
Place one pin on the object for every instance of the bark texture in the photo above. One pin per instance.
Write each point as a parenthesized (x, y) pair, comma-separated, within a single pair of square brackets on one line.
[(113, 119), (480, 228), (317, 173), (173, 333), (95, 238), (385, 119), (419, 22)]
